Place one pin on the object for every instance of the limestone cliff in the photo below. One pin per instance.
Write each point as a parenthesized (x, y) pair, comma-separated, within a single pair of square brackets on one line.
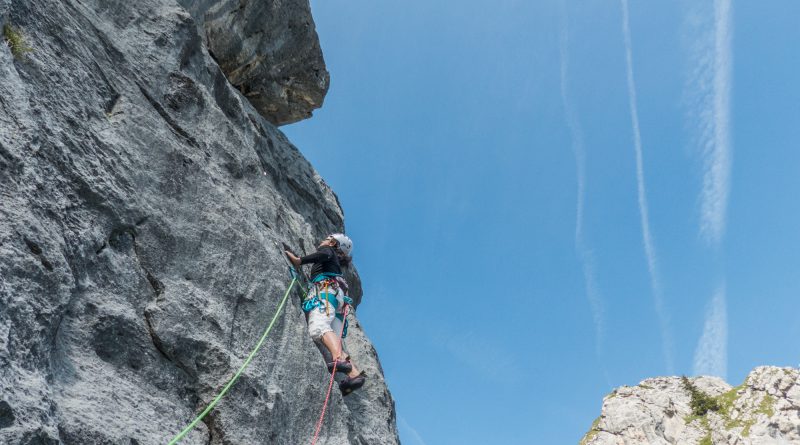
[(765, 409), (141, 197)]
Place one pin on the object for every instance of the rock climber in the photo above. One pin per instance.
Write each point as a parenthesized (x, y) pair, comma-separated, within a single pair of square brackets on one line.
[(325, 302)]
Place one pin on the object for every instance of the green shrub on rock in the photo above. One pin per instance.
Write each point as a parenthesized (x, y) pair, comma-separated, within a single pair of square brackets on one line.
[(15, 41), (701, 402)]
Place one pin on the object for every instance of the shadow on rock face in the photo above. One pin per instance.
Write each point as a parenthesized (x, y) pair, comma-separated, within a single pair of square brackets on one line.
[(116, 342), (6, 415)]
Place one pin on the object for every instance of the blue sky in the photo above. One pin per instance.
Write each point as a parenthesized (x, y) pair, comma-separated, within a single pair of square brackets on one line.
[(550, 199)]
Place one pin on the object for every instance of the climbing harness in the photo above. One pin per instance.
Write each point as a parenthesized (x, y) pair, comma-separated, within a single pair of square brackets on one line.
[(330, 384), (247, 361), (323, 299)]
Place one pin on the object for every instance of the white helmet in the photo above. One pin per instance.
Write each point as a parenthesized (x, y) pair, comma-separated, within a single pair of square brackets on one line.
[(344, 242)]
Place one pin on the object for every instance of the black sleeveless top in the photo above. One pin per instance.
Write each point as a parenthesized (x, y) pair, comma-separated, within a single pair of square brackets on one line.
[(324, 259)]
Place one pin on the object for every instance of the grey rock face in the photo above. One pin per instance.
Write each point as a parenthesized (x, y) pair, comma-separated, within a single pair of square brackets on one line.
[(140, 200), (765, 409), (269, 50)]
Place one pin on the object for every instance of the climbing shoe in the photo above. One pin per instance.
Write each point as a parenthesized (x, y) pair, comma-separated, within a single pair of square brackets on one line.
[(351, 384), (341, 366)]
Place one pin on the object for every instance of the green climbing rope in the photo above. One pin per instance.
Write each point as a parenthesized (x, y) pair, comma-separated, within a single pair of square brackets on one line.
[(216, 400)]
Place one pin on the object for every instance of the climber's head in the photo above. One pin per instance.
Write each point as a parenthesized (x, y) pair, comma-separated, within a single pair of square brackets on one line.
[(339, 241)]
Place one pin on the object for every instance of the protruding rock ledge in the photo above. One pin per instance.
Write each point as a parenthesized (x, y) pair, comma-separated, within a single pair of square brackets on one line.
[(269, 51)]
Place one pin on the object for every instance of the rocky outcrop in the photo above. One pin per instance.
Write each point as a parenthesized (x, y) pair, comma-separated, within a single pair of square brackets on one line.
[(141, 197), (270, 52), (765, 409)]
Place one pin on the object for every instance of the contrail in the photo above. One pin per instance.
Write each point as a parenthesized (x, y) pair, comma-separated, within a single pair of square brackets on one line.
[(585, 254), (712, 82), (647, 238), (716, 152), (711, 355)]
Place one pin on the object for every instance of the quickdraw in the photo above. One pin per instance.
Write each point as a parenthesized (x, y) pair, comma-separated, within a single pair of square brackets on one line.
[(325, 291)]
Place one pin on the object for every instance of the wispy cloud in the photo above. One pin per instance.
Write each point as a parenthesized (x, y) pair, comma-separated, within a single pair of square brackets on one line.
[(711, 355), (710, 85), (585, 254), (414, 434), (647, 238)]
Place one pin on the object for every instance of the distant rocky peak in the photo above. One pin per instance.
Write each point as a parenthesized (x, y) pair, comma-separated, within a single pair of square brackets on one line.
[(765, 409)]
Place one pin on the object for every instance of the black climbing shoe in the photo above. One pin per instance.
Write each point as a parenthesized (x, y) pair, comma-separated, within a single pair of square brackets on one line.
[(341, 366), (351, 384)]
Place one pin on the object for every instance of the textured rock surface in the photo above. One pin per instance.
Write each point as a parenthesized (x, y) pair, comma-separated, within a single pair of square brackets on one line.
[(269, 50), (140, 199), (765, 409)]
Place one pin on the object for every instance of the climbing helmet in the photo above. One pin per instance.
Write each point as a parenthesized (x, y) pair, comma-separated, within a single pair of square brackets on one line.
[(344, 242)]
